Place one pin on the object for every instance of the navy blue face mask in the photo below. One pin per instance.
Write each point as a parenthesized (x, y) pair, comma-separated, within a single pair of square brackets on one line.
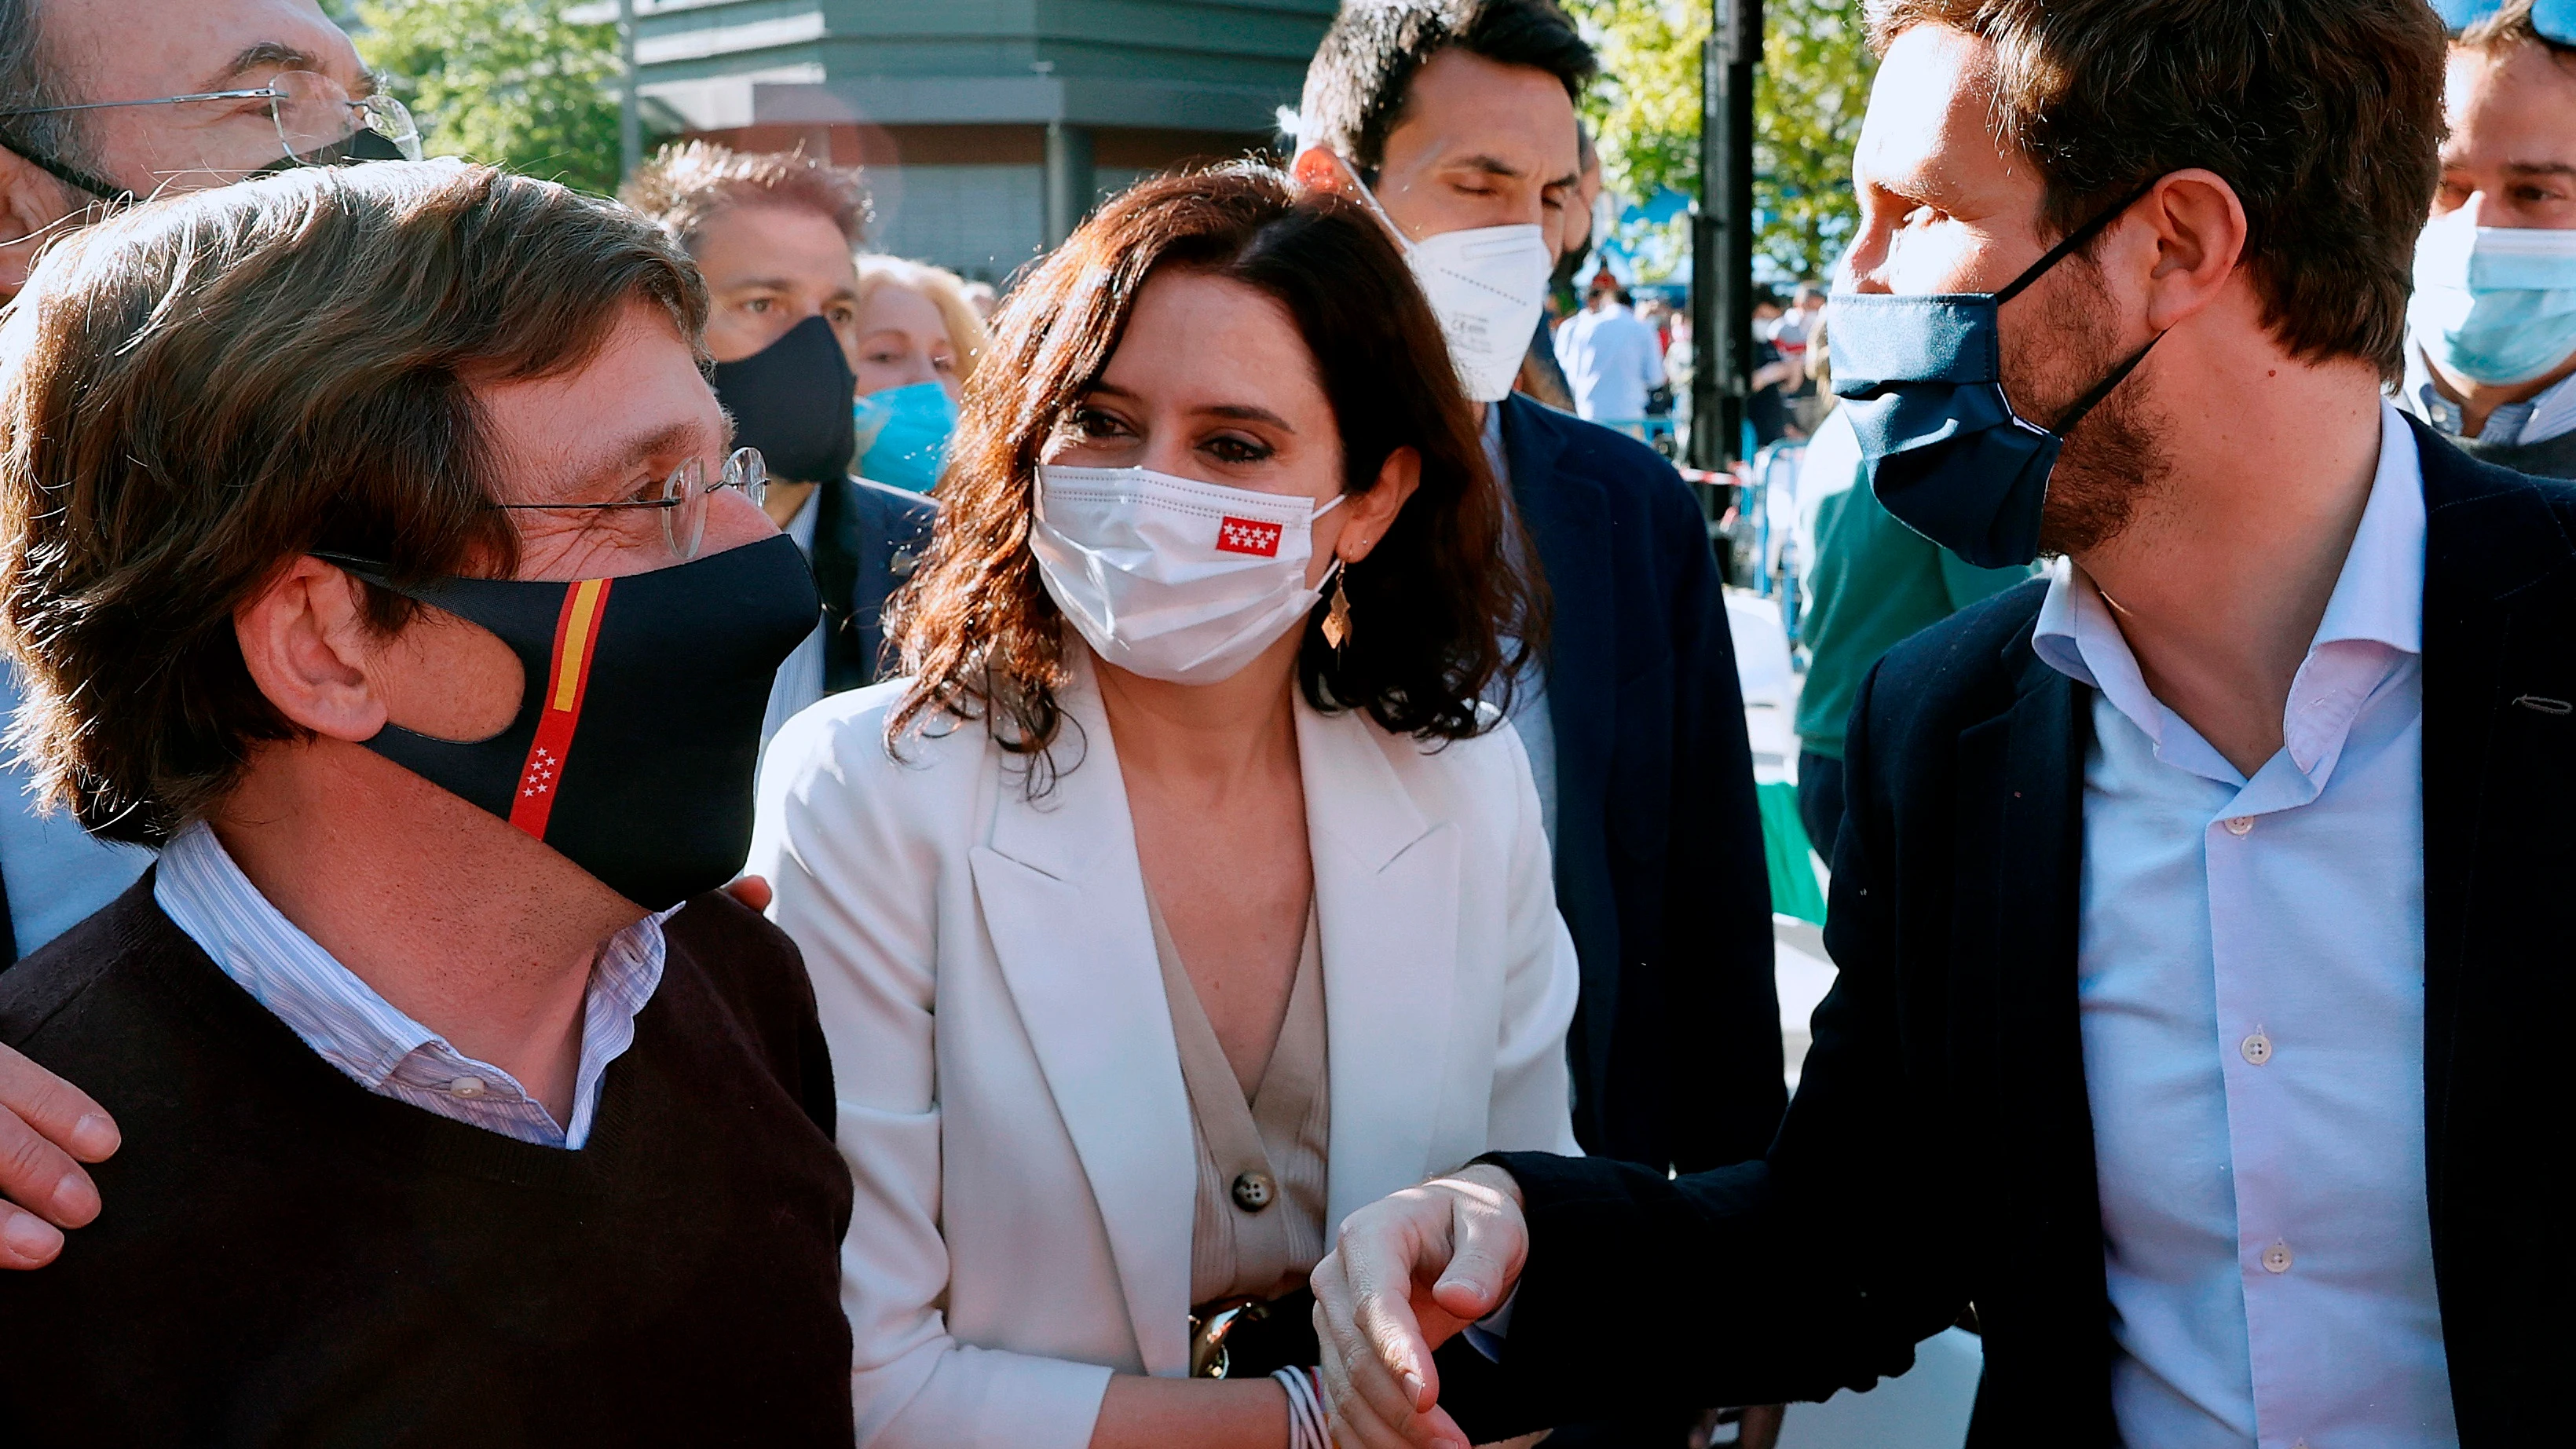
[(1922, 378)]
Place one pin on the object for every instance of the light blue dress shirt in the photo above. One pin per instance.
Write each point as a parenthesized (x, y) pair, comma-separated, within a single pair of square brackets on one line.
[(56, 874), (2251, 976), (368, 1038)]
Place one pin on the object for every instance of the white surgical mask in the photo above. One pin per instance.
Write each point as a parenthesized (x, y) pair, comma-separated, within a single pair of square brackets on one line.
[(1488, 287), (2496, 305), (1170, 578)]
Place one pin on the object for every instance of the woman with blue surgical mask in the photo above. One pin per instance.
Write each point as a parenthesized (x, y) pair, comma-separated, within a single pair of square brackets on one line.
[(1189, 893), (918, 339), (2493, 357)]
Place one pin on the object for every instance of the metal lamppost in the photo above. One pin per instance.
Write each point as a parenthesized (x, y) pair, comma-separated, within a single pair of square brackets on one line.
[(1722, 237), (630, 106)]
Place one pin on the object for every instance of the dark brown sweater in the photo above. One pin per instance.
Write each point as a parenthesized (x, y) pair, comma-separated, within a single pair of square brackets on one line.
[(287, 1258)]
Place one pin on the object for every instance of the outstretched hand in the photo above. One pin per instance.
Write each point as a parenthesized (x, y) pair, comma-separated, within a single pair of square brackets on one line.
[(1410, 1272), (48, 1128)]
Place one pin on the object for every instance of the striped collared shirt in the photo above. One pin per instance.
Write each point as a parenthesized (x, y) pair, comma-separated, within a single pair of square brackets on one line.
[(365, 1036)]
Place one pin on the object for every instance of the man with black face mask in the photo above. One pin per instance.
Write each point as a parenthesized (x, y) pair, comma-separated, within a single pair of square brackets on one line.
[(2200, 910), (772, 233), (370, 542)]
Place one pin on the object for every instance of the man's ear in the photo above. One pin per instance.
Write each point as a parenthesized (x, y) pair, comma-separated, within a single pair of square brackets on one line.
[(32, 203), (1318, 169), (307, 645), (2198, 230), (310, 648)]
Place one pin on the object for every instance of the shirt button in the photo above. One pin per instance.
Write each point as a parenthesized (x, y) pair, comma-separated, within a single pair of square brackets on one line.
[(2239, 824), (466, 1087), (1254, 1190), (2276, 1258), (2257, 1048)]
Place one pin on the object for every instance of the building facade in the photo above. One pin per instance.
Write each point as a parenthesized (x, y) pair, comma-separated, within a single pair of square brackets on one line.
[(988, 127)]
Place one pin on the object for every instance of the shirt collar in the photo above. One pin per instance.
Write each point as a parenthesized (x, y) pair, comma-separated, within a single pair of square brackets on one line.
[(336, 1013), (808, 515), (2378, 596)]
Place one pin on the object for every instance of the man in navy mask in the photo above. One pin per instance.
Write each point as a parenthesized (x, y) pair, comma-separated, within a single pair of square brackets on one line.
[(2492, 356), (2200, 909), (772, 232), (373, 545)]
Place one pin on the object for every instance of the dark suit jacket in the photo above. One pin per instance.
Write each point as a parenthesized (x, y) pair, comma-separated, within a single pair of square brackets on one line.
[(1660, 870), (867, 539), (1940, 1150)]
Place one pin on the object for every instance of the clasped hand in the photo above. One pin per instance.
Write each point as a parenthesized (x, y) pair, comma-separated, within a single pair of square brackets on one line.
[(1409, 1273)]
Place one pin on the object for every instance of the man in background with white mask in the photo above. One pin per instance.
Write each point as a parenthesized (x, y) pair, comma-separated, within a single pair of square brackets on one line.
[(2492, 361), (1455, 120)]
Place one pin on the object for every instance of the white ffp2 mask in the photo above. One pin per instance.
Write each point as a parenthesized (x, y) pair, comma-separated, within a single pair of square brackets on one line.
[(1488, 287), (1170, 578)]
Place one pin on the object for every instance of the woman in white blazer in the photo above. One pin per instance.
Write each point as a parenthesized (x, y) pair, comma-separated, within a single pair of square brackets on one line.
[(1117, 872)]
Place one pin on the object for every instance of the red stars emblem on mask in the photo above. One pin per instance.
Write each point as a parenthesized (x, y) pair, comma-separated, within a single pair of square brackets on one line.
[(1246, 535)]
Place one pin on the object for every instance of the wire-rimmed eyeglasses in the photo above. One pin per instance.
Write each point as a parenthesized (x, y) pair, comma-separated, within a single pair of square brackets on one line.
[(318, 123), (683, 498)]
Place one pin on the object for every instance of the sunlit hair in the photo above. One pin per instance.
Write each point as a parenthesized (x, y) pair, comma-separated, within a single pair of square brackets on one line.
[(943, 289), (2323, 116), (688, 185), (1443, 619), (2499, 35)]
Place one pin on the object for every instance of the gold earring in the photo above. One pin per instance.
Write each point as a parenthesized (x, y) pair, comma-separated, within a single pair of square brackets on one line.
[(1337, 619)]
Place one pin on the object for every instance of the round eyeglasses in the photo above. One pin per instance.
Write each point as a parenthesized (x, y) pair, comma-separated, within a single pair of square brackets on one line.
[(318, 124), (684, 498)]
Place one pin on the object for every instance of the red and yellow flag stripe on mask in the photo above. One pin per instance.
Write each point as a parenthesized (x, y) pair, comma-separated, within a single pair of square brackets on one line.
[(567, 683)]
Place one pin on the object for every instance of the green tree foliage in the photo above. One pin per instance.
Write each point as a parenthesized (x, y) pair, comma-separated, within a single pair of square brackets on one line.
[(1808, 97), (1809, 94), (510, 82)]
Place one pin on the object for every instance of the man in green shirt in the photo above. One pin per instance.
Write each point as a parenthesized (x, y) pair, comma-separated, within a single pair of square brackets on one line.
[(1870, 582)]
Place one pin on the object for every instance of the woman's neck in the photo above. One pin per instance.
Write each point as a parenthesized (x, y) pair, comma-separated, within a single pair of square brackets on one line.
[(1216, 735)]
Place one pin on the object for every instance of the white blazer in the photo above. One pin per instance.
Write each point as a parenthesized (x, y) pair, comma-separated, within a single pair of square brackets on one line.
[(1010, 1093)]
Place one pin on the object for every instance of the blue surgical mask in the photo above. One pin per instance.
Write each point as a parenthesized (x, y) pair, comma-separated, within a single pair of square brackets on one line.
[(907, 430), (1922, 378), (2495, 304)]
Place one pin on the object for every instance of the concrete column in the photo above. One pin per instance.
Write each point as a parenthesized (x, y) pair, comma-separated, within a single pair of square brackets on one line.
[(1070, 180)]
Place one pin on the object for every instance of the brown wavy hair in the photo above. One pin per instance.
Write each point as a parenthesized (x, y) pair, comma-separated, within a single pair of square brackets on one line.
[(1444, 618)]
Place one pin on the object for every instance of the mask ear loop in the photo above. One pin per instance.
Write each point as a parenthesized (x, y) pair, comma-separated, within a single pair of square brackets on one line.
[(2058, 253), (1368, 193), (2074, 239), (2103, 389)]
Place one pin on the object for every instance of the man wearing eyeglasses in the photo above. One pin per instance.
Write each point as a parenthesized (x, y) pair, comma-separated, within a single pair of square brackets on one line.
[(2491, 357), (101, 100), (371, 542)]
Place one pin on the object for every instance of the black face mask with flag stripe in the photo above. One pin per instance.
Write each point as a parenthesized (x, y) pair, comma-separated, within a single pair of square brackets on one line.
[(638, 735)]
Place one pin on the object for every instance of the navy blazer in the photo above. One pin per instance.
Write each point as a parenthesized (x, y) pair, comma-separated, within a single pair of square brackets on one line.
[(868, 538), (1939, 1155), (1660, 870)]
